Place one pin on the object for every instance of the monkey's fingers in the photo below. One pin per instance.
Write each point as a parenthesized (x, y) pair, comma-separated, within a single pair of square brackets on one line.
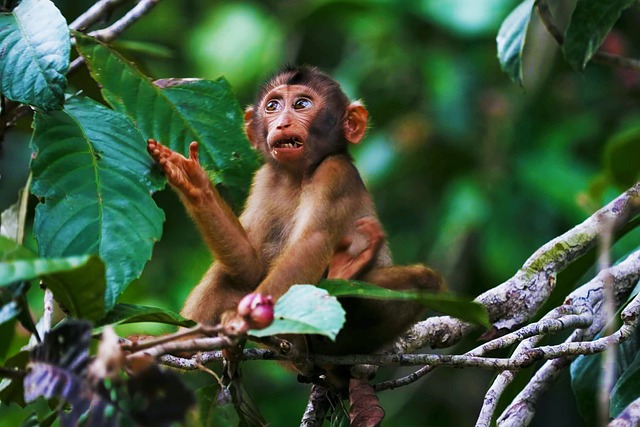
[(158, 151), (193, 152), (152, 148)]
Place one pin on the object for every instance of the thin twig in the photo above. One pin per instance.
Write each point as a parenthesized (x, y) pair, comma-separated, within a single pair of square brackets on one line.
[(211, 356), (522, 409), (196, 344), (152, 342), (553, 322), (130, 18), (118, 27), (500, 384), (404, 381), (608, 371), (101, 9), (48, 311)]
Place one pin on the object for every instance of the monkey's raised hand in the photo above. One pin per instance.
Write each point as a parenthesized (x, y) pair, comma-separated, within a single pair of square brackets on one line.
[(184, 174), (218, 225)]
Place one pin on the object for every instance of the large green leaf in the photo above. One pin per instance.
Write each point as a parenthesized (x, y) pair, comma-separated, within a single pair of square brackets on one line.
[(10, 250), (93, 176), (590, 23), (305, 309), (442, 302), (585, 377), (131, 313), (34, 54), (177, 112), (77, 282), (511, 38)]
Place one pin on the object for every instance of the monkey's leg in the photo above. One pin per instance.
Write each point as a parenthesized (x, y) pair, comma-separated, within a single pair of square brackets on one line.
[(216, 293), (217, 223), (356, 251)]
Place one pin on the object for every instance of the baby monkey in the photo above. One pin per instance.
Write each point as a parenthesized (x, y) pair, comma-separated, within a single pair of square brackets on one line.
[(308, 215)]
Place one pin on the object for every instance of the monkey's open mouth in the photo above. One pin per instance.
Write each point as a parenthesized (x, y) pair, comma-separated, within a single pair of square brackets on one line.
[(288, 143)]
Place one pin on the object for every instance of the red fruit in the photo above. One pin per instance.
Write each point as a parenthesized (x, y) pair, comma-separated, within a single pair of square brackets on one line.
[(257, 310)]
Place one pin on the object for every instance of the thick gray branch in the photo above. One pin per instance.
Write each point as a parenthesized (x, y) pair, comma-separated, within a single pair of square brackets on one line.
[(515, 301)]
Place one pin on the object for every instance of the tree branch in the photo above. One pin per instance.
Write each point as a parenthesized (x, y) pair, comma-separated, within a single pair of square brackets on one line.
[(500, 384), (191, 364), (101, 9), (515, 301), (134, 15), (561, 318), (317, 407), (522, 409), (107, 34)]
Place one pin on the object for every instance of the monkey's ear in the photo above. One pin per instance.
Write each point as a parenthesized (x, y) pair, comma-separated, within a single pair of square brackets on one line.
[(248, 125), (355, 125)]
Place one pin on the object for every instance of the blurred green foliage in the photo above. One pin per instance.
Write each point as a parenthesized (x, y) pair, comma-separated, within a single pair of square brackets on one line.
[(470, 173)]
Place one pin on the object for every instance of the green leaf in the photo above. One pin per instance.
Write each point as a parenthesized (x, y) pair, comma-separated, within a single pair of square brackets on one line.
[(305, 309), (7, 332), (444, 303), (622, 157), (93, 176), (590, 23), (585, 377), (28, 269), (131, 313), (627, 389), (77, 282), (511, 39), (10, 250), (177, 112), (34, 54), (81, 291)]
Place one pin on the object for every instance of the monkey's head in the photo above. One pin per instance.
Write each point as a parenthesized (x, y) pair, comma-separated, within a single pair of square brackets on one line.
[(301, 116)]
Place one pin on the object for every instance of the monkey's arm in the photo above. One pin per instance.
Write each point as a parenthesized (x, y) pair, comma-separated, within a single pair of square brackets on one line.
[(218, 225)]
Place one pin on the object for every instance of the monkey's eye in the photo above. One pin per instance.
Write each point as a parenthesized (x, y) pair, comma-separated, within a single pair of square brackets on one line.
[(272, 105), (301, 103)]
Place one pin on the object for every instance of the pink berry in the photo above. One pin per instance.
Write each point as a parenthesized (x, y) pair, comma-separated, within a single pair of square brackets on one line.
[(257, 310)]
